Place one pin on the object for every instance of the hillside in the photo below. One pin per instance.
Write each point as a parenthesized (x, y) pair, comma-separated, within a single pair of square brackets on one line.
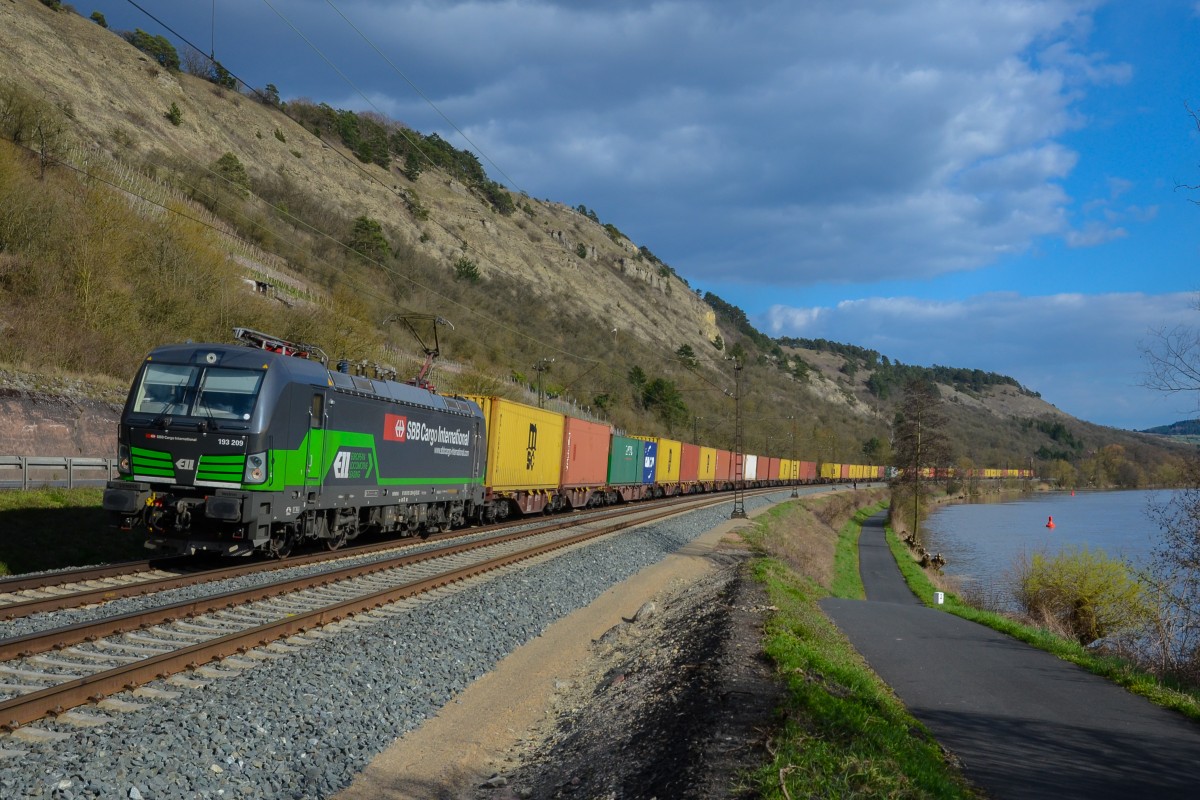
[(1184, 427), (168, 207)]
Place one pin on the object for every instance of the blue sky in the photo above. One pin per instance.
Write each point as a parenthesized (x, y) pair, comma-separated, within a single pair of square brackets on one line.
[(981, 184)]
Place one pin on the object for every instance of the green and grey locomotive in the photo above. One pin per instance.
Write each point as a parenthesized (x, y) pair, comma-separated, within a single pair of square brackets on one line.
[(237, 449)]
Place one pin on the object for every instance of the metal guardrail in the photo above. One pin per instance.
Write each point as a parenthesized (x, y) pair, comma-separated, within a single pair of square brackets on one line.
[(22, 472)]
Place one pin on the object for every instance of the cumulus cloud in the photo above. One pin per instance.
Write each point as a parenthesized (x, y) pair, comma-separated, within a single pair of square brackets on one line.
[(788, 143), (1080, 351), (783, 143)]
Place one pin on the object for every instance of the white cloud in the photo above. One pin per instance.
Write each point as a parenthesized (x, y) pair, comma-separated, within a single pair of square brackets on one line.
[(781, 142), (1080, 351), (1093, 234)]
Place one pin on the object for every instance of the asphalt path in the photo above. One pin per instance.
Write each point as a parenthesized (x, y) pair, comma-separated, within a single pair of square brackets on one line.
[(1023, 723)]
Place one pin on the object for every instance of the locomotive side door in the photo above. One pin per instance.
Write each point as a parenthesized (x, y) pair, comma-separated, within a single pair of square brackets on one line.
[(315, 457)]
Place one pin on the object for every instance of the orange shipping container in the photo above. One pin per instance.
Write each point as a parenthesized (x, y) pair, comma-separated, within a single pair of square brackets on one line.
[(724, 465), (585, 453), (773, 465), (689, 463)]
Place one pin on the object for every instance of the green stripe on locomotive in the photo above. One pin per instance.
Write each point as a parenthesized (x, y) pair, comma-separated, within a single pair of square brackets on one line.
[(290, 468)]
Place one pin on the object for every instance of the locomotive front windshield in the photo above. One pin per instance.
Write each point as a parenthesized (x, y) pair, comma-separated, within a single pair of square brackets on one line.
[(194, 391)]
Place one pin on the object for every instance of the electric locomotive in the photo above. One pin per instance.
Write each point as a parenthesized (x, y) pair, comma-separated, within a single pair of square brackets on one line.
[(236, 449)]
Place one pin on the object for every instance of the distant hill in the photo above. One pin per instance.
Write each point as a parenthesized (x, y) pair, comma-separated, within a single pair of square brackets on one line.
[(1185, 427)]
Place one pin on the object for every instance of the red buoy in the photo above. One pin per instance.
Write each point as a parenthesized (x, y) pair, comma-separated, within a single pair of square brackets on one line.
[(1050, 523)]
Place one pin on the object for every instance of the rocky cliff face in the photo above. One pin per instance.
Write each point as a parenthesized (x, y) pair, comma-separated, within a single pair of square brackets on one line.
[(38, 424)]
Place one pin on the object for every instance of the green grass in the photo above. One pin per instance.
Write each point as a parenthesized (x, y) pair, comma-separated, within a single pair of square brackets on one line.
[(847, 578), (844, 733), (1119, 671), (55, 528)]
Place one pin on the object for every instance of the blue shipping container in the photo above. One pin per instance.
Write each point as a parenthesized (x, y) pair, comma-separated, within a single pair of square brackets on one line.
[(650, 451)]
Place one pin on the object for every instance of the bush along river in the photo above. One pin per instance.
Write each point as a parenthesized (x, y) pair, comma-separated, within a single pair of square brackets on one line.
[(982, 540)]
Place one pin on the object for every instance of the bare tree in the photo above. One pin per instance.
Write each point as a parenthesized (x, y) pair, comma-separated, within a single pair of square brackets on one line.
[(1173, 575), (921, 442), (196, 63), (1173, 359), (1173, 578)]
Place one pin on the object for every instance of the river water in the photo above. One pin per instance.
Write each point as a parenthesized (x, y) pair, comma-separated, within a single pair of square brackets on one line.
[(982, 540)]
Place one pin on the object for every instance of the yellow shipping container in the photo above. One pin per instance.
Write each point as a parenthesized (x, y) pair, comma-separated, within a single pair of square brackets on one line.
[(708, 464), (831, 472), (666, 468), (524, 445)]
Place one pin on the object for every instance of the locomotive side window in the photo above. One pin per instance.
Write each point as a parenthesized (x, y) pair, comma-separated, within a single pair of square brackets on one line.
[(318, 411), (166, 389)]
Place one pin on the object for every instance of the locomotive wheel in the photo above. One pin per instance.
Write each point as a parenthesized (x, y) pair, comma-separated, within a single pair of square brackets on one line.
[(281, 543), (336, 541)]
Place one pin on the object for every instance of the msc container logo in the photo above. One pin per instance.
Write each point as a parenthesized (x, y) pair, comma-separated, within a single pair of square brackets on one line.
[(395, 428)]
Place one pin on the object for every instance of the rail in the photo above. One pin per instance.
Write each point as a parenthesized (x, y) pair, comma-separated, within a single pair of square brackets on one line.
[(22, 472)]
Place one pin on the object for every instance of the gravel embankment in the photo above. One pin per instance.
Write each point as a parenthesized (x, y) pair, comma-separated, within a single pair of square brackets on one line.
[(301, 726)]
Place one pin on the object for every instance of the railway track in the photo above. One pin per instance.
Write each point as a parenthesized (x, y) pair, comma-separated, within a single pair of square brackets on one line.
[(53, 672), (23, 596)]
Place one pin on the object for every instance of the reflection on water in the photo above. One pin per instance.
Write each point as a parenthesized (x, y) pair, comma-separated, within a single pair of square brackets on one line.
[(981, 540)]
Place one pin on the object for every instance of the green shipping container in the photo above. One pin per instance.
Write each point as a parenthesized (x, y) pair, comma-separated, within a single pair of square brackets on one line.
[(624, 461)]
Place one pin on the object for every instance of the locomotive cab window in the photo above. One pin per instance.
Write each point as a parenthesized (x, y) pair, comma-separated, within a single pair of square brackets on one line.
[(227, 393), (166, 389), (191, 391)]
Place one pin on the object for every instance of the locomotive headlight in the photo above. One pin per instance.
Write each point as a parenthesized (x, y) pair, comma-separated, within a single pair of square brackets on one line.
[(123, 460), (256, 468)]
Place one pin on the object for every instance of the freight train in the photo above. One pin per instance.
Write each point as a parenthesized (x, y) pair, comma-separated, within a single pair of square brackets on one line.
[(237, 449)]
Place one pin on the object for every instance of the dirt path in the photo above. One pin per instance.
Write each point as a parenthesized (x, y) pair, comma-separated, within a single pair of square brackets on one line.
[(620, 699)]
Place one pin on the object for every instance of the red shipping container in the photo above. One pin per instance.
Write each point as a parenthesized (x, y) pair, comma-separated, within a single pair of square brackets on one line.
[(845, 472), (585, 453), (808, 470), (724, 465), (772, 468), (689, 464)]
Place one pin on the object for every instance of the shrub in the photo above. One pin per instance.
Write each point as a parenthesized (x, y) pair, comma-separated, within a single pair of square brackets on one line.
[(367, 239), (466, 269), (231, 169), (1084, 591), (174, 115), (99, 19), (279, 135), (581, 250), (157, 47)]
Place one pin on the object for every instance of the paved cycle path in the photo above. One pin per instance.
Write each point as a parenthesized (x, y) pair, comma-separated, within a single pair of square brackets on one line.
[(1023, 723)]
